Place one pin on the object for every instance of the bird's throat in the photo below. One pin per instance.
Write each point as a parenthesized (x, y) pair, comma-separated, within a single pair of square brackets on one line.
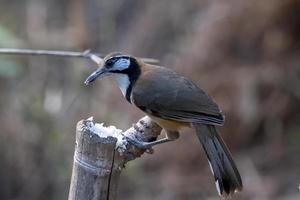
[(123, 83)]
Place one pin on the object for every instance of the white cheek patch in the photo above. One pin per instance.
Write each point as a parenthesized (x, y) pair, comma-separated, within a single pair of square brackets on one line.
[(121, 63), (123, 82)]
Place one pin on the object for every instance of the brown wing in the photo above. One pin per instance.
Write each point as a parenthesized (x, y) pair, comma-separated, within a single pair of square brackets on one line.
[(173, 97)]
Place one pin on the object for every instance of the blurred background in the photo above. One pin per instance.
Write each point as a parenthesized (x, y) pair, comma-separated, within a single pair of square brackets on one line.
[(245, 54)]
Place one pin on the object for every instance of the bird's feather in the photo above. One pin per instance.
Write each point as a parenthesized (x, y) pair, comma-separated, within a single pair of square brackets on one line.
[(168, 95)]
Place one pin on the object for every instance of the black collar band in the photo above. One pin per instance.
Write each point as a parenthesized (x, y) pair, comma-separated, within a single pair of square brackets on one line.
[(133, 72)]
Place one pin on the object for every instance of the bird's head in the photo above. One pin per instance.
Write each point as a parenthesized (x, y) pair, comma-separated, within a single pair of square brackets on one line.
[(114, 63), (123, 68)]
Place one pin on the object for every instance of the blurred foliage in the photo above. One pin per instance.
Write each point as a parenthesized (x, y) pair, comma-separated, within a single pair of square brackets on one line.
[(8, 39), (245, 54), (8, 68)]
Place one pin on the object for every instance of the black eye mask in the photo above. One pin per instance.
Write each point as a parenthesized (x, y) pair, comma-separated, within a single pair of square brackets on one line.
[(110, 62)]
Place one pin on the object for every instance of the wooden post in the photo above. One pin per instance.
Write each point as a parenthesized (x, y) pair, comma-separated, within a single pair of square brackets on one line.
[(100, 155)]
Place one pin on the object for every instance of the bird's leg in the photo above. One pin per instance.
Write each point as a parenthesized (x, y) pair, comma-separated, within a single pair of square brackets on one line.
[(170, 136)]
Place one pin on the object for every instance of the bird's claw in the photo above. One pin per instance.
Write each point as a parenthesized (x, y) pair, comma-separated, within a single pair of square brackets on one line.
[(141, 145)]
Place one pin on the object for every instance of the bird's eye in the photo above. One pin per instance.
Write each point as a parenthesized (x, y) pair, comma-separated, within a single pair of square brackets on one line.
[(110, 63)]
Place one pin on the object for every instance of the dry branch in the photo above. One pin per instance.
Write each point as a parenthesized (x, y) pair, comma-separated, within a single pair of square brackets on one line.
[(100, 155), (96, 57)]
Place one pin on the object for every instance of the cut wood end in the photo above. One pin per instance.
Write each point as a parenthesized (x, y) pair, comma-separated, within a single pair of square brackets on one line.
[(110, 131)]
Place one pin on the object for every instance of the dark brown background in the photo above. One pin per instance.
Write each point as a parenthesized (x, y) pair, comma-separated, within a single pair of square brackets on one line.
[(244, 53)]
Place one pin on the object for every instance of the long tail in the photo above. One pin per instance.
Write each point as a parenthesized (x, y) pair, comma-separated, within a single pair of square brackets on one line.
[(227, 177)]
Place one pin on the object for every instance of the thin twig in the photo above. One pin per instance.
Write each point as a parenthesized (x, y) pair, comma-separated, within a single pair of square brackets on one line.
[(96, 57), (86, 54)]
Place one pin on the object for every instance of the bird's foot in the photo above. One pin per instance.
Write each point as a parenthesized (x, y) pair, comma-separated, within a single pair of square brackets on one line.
[(147, 145), (141, 145)]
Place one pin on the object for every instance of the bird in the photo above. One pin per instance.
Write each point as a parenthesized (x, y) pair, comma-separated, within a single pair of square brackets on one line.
[(174, 102)]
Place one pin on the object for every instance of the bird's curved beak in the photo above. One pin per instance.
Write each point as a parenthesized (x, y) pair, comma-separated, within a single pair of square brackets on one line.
[(98, 73)]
